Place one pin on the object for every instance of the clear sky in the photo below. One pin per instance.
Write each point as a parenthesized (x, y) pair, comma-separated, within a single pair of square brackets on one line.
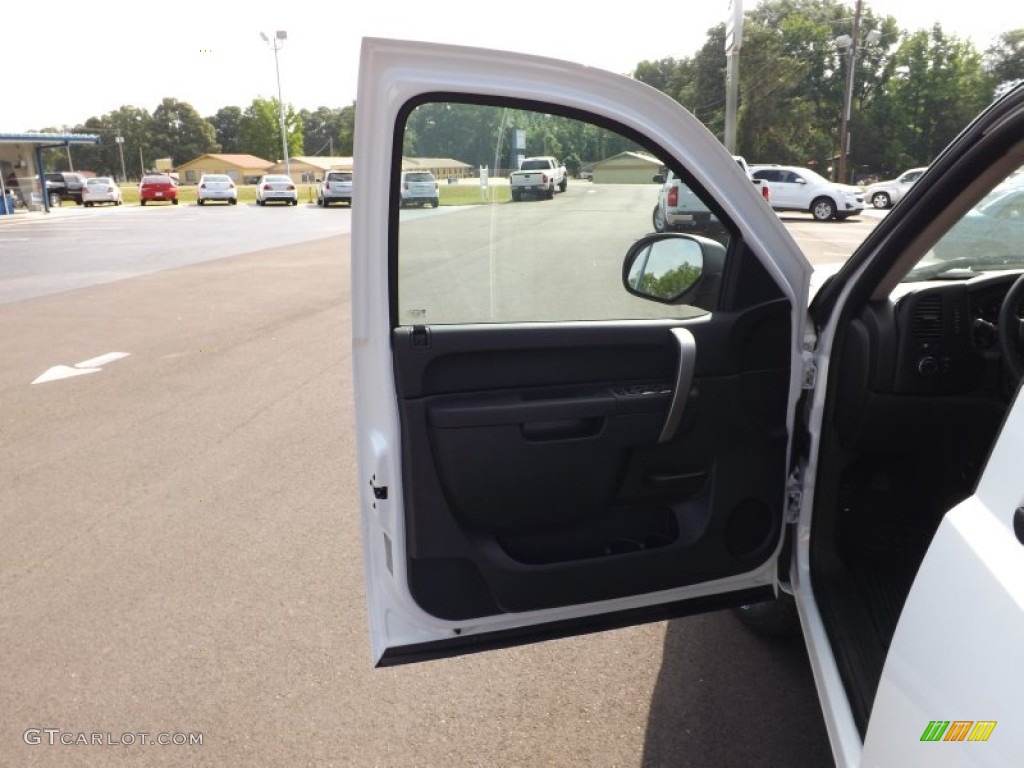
[(66, 61)]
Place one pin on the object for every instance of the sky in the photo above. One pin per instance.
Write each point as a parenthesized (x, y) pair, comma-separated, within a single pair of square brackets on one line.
[(94, 58)]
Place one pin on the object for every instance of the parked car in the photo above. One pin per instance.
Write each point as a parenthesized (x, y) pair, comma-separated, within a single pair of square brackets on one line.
[(276, 188), (418, 188), (885, 194), (64, 186), (801, 189), (158, 187), (216, 186), (336, 187), (101, 189), (632, 426)]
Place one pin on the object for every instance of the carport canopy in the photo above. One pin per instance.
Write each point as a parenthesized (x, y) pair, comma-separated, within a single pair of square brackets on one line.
[(16, 145)]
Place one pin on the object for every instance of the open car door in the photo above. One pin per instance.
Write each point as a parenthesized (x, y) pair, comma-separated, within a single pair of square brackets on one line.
[(542, 450)]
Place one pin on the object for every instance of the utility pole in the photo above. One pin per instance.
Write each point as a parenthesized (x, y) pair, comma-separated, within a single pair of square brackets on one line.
[(844, 128), (277, 43), (733, 41)]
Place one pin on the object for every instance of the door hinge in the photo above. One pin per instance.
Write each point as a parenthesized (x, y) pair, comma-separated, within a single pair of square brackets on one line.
[(380, 492), (794, 500), (809, 379)]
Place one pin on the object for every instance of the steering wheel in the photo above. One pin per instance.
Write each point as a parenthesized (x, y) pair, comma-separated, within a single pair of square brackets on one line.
[(1011, 330)]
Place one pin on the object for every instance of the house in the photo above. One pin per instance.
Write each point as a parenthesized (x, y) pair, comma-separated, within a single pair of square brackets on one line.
[(307, 169), (627, 168), (441, 167), (243, 169)]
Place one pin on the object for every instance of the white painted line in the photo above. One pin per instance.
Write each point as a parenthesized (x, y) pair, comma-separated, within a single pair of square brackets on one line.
[(96, 362), (63, 372), (92, 365)]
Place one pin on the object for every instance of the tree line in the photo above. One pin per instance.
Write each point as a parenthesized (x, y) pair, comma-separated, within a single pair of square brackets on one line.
[(176, 130), (913, 91)]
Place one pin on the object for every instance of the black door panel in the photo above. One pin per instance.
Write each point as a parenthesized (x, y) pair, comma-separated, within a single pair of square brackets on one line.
[(534, 478)]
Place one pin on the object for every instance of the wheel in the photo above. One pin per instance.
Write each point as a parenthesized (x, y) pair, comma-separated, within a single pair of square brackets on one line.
[(823, 209), (658, 219), (295, 201), (55, 200), (881, 200), (516, 196), (258, 201), (775, 618), (200, 202), (175, 201), (563, 185), (78, 202), (435, 202), (233, 201), (118, 202), (1011, 330), (88, 205), (321, 202), (142, 202), (550, 194)]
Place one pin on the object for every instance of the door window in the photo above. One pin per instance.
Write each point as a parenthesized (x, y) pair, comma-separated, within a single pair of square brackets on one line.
[(506, 250)]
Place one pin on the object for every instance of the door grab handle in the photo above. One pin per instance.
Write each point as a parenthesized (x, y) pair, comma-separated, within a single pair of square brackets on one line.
[(684, 380)]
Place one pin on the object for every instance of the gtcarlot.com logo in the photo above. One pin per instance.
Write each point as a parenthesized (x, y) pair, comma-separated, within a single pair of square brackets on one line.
[(58, 736), (958, 730)]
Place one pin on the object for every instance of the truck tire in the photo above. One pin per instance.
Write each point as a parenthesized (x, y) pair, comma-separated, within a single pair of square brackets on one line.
[(516, 196), (550, 195), (55, 200), (658, 220), (564, 185)]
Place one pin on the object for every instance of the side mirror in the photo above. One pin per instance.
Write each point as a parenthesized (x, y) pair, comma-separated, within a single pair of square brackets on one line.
[(672, 268)]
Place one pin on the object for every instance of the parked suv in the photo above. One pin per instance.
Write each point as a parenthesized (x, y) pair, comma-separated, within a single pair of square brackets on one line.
[(419, 188), (801, 189), (64, 186), (335, 188)]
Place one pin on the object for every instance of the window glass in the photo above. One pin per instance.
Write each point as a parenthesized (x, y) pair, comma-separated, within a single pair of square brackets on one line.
[(988, 238), (503, 243)]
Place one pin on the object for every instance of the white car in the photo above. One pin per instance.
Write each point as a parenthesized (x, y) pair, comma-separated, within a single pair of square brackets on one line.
[(560, 435), (418, 188), (216, 186), (276, 188), (336, 187), (100, 189), (801, 189), (885, 194)]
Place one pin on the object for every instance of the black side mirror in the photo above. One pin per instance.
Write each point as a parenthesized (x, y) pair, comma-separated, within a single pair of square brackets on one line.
[(673, 268)]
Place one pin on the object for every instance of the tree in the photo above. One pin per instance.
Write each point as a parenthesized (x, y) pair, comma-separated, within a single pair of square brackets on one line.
[(180, 133), (226, 125), (327, 130), (259, 132), (1005, 59)]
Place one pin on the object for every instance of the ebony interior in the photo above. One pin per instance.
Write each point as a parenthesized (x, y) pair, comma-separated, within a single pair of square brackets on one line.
[(532, 465)]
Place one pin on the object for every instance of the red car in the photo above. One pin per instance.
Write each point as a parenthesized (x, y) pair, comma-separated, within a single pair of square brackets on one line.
[(158, 187)]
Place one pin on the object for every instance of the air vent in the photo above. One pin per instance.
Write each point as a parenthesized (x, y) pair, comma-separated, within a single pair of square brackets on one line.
[(927, 320)]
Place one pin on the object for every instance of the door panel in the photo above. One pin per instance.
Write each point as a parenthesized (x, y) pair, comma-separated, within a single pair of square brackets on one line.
[(548, 487), (512, 396)]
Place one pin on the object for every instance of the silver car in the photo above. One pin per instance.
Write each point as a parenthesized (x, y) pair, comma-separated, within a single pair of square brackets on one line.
[(885, 194), (216, 186), (276, 188)]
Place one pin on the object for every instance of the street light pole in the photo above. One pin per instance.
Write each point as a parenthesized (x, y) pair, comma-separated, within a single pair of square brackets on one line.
[(120, 148), (844, 129), (277, 43), (851, 42)]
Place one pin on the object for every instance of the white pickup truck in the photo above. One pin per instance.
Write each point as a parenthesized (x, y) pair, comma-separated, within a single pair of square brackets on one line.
[(679, 209), (539, 176), (618, 426)]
